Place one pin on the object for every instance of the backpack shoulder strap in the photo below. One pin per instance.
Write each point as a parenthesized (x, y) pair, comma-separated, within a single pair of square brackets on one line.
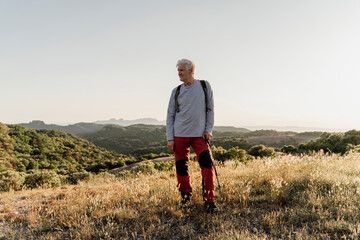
[(176, 98), (203, 84)]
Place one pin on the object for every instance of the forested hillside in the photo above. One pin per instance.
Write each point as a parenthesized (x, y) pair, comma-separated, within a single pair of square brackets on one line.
[(144, 139), (126, 139), (25, 150), (77, 128)]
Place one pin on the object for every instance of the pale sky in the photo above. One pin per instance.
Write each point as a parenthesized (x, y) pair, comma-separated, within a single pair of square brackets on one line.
[(270, 62)]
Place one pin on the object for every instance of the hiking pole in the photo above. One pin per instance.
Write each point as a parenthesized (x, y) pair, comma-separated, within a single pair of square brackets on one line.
[(213, 163)]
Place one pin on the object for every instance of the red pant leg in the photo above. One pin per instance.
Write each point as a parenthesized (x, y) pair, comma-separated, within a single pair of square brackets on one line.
[(182, 150), (201, 149)]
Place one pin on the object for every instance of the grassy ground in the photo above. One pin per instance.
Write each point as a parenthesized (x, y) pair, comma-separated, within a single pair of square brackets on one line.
[(287, 197)]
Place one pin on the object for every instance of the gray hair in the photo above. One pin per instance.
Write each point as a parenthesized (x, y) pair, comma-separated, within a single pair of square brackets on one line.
[(189, 65)]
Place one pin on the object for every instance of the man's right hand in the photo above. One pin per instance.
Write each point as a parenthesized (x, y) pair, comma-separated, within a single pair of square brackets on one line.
[(171, 144)]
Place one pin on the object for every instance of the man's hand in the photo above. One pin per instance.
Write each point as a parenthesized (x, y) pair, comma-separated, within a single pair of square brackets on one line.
[(171, 144), (207, 136)]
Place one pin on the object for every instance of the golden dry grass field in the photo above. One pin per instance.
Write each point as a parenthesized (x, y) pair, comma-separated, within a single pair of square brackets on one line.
[(287, 197)]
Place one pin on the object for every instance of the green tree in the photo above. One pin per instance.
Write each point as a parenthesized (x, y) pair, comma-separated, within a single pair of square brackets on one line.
[(261, 151), (7, 157), (235, 153), (289, 149)]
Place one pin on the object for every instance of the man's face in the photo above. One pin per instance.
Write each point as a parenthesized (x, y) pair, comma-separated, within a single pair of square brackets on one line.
[(184, 74)]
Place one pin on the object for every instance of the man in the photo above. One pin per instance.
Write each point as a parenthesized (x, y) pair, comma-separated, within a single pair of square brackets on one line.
[(190, 120)]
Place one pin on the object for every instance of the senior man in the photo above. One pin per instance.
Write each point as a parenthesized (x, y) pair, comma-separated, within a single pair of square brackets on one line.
[(190, 121)]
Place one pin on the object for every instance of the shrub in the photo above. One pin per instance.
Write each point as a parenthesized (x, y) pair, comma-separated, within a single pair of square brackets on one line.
[(146, 168), (234, 153), (218, 153), (74, 178), (124, 174), (152, 156), (5, 165), (289, 149), (42, 179), (11, 180), (332, 142), (261, 151), (164, 166), (105, 177), (237, 154), (21, 167)]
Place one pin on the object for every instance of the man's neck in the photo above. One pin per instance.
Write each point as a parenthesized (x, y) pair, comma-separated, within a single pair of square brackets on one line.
[(189, 81)]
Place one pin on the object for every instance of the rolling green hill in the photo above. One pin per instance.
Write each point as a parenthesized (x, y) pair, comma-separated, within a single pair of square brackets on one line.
[(24, 150), (143, 139), (127, 139), (77, 128), (230, 129)]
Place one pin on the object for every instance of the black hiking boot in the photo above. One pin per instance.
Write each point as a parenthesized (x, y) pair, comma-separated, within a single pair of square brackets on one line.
[(211, 207), (185, 200)]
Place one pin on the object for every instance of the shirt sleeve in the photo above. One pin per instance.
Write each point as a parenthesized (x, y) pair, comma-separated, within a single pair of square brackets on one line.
[(210, 113), (170, 118)]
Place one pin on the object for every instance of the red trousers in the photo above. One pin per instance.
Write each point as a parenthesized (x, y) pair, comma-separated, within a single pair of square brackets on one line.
[(201, 149)]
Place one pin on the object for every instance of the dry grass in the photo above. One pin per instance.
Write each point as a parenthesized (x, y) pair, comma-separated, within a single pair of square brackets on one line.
[(288, 197)]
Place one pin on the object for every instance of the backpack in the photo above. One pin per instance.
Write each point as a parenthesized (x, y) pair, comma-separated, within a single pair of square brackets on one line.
[(203, 84)]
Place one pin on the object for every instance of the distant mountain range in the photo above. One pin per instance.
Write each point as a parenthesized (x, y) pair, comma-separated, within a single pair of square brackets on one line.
[(296, 129), (140, 138), (125, 139), (77, 128), (123, 122), (83, 128), (152, 121)]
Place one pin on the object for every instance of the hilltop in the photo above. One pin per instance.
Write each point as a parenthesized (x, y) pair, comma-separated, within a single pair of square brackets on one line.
[(123, 122), (77, 128), (143, 139), (24, 150), (83, 128)]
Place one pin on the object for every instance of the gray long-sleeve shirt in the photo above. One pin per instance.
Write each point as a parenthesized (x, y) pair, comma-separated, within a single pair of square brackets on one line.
[(192, 119)]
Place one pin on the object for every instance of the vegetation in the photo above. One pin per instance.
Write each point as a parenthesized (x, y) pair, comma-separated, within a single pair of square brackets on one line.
[(332, 143), (261, 151), (158, 150), (7, 157), (58, 151), (152, 156), (236, 154), (289, 149), (165, 166), (141, 139), (31, 158), (127, 139), (77, 128), (311, 194), (11, 180), (258, 133), (228, 143), (287, 197), (309, 134)]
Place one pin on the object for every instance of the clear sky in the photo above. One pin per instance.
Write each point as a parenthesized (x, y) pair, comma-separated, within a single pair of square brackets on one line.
[(278, 62)]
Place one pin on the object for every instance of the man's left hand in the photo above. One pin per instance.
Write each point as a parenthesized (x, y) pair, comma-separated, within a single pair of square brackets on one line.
[(207, 136)]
